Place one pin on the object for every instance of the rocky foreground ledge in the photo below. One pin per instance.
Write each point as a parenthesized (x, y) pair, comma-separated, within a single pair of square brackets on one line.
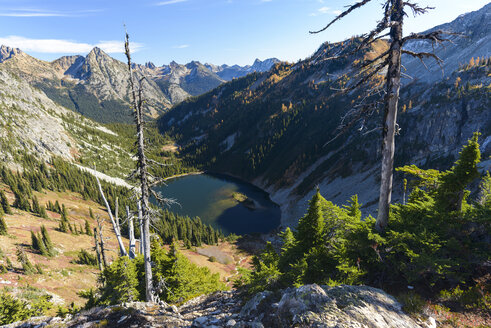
[(306, 306)]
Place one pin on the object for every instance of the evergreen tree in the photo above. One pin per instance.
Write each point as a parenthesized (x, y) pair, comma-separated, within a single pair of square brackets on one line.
[(42, 212), (35, 205), (57, 207), (3, 226), (64, 225), (5, 203), (88, 229), (310, 228), (24, 261), (21, 202), (120, 282), (47, 241), (485, 191), (353, 207), (451, 193), (37, 244)]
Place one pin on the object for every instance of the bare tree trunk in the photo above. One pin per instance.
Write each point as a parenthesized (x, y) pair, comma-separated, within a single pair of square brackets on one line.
[(116, 214), (101, 243), (97, 250), (142, 167), (131, 232), (390, 113), (140, 222), (117, 232)]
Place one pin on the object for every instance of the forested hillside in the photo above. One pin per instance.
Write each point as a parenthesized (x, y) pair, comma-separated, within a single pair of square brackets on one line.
[(277, 128)]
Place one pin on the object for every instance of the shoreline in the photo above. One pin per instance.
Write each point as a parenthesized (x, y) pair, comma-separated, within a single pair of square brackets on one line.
[(183, 175)]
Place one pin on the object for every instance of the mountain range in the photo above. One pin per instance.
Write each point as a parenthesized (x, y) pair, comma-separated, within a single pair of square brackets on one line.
[(97, 85), (272, 127), (277, 129)]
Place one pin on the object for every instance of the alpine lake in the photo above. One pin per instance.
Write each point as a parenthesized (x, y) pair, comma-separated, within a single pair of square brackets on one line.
[(223, 202)]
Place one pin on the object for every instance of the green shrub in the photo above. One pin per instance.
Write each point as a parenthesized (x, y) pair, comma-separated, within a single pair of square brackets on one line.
[(412, 302), (433, 242), (13, 309), (86, 258), (176, 278)]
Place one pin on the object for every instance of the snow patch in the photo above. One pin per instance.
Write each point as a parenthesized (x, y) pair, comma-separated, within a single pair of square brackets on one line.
[(105, 177), (229, 142)]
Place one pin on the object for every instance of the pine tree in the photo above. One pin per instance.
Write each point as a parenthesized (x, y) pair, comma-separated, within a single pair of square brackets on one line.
[(485, 191), (24, 261), (37, 244), (88, 229), (451, 193), (47, 241), (3, 226), (353, 207), (121, 281), (35, 205), (57, 207), (310, 227), (5, 203), (21, 202), (42, 212)]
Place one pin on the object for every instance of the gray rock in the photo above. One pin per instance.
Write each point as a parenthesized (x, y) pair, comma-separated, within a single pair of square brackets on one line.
[(200, 321), (231, 323), (252, 305)]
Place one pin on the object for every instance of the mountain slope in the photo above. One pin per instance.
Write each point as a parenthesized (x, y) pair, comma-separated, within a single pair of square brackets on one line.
[(472, 39), (274, 128), (32, 123), (97, 85)]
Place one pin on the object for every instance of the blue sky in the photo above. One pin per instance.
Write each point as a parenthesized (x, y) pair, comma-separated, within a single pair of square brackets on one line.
[(213, 31)]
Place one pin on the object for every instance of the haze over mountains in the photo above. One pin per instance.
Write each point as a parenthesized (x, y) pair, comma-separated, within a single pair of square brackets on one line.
[(97, 85)]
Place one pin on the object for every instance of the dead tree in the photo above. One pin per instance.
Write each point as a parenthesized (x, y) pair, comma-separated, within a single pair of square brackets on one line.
[(115, 222), (98, 250), (140, 222), (101, 241), (131, 233), (392, 20), (142, 171)]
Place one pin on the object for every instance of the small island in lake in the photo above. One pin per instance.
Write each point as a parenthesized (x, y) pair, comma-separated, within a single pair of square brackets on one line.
[(244, 200)]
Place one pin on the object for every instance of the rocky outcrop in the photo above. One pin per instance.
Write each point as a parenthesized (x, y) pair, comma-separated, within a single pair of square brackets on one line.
[(306, 306)]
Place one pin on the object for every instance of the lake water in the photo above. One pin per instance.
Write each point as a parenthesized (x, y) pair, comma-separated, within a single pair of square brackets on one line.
[(209, 197)]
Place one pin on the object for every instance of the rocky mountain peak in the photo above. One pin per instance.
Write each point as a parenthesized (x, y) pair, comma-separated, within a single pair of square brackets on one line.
[(66, 64), (173, 64), (7, 52), (150, 65), (97, 53)]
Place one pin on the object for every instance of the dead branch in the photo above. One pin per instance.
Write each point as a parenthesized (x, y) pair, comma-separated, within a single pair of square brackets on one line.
[(344, 13), (417, 10), (117, 232)]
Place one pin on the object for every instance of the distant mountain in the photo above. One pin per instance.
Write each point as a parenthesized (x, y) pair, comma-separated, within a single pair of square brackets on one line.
[(276, 129), (32, 123), (229, 73), (473, 39), (97, 85)]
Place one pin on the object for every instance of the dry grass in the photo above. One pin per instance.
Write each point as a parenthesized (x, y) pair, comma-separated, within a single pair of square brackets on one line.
[(170, 148), (62, 277)]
